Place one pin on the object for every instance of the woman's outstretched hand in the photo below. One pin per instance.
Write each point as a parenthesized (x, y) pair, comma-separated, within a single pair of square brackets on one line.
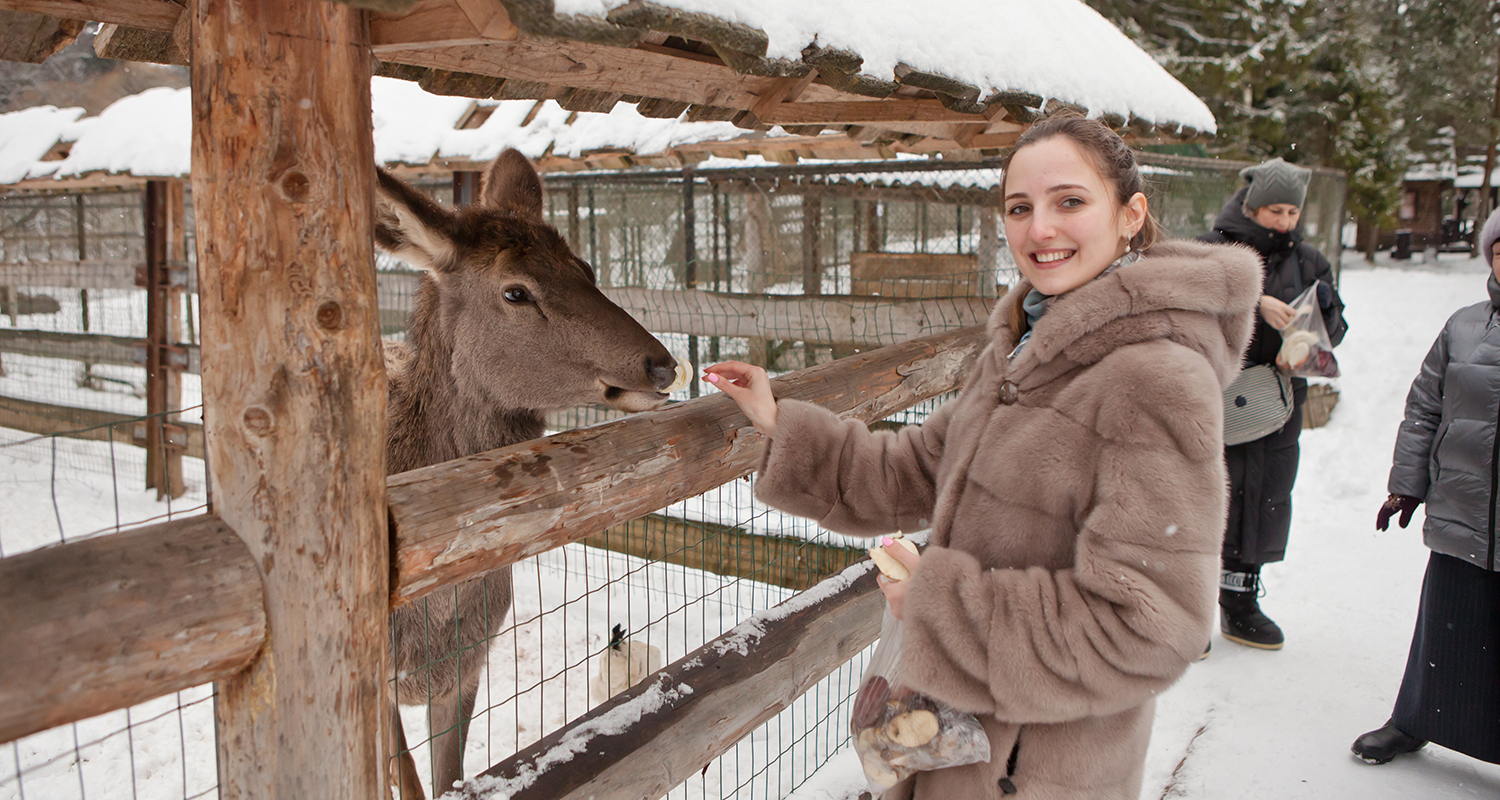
[(749, 387)]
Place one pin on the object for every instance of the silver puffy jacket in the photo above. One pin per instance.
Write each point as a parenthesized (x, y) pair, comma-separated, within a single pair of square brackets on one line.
[(1446, 448)]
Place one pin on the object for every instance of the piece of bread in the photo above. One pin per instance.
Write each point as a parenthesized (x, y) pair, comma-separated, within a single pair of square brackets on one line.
[(888, 564)]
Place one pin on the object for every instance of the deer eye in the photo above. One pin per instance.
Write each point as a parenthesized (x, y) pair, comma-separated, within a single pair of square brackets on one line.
[(516, 294)]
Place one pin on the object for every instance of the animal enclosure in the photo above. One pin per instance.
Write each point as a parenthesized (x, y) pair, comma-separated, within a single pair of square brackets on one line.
[(789, 267)]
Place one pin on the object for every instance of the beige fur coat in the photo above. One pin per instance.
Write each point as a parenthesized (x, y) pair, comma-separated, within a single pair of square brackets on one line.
[(1076, 496)]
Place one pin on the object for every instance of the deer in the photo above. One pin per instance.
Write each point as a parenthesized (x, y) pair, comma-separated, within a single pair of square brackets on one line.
[(507, 324)]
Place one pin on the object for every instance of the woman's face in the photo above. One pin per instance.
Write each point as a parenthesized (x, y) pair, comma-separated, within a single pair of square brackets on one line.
[(1062, 221), (1279, 217), (1495, 259)]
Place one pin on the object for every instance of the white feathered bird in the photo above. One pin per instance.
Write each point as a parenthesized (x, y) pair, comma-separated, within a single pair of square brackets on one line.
[(622, 665)]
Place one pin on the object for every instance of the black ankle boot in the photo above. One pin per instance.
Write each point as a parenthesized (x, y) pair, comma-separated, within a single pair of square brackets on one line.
[(1240, 617), (1385, 743)]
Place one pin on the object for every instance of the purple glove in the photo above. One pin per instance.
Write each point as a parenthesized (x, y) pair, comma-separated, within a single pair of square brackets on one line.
[(1396, 502), (1325, 296)]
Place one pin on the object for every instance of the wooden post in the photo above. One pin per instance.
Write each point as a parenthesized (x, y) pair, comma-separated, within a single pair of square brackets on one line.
[(294, 386), (690, 263), (760, 259), (989, 251), (575, 235), (465, 187), (812, 272), (164, 259)]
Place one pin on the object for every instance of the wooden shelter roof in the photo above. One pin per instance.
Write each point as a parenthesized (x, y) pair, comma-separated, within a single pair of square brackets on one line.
[(829, 74)]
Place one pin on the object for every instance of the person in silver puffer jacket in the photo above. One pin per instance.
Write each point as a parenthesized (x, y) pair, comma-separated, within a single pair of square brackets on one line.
[(1446, 457)]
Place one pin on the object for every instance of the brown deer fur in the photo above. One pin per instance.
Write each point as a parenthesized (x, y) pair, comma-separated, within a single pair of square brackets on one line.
[(508, 324)]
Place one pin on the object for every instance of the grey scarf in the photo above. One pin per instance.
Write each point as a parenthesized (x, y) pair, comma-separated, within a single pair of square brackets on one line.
[(1035, 304)]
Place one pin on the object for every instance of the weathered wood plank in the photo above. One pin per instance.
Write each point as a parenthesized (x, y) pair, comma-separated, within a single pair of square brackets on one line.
[(442, 23), (100, 624), (785, 561), (154, 15), (859, 320), (294, 385), (84, 274), (640, 72), (96, 347), (856, 112), (462, 518), (862, 321), (695, 710), (909, 275), (138, 44), (33, 38), (45, 419)]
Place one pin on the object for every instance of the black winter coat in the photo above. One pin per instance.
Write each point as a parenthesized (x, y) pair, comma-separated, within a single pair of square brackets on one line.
[(1445, 450), (1262, 472)]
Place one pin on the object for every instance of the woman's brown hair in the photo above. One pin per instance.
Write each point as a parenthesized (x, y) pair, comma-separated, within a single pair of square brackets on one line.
[(1111, 157)]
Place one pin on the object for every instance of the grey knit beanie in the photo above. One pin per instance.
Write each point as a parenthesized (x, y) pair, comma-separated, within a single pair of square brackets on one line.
[(1274, 182), (1488, 234)]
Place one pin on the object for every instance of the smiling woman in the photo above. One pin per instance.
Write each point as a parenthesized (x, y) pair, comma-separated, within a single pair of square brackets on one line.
[(1074, 491), (1062, 220)]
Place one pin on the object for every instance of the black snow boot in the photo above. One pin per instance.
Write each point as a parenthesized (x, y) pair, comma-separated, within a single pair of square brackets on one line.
[(1385, 743), (1240, 617)]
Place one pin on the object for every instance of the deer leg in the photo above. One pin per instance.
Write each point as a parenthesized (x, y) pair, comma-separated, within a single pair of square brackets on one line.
[(450, 726), (404, 770)]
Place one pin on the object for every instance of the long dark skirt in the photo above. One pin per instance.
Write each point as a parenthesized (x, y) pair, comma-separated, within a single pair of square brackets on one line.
[(1450, 694), (1261, 474)]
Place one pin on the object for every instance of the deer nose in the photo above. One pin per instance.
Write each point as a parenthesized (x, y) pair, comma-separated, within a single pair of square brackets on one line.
[(662, 370)]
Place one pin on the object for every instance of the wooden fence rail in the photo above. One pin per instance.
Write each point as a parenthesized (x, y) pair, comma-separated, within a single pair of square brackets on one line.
[(501, 506), (697, 708)]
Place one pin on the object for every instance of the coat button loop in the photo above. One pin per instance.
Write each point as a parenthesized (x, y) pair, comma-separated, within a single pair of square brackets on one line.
[(1009, 393)]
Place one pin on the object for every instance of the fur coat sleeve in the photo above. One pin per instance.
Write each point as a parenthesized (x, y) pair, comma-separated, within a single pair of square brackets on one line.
[(850, 479)]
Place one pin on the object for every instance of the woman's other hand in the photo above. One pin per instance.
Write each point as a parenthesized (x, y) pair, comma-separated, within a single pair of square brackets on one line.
[(1276, 313), (750, 388), (895, 591)]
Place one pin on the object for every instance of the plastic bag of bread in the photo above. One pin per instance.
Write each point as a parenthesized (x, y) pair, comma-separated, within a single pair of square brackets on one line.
[(898, 732), (1306, 351)]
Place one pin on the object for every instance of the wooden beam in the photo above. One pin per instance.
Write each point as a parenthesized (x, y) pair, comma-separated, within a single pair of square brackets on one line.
[(460, 519), (154, 15), (90, 424), (85, 274), (443, 23), (860, 320), (640, 71), (697, 708), (856, 112), (33, 38), (294, 385), (99, 348), (786, 561), (100, 624)]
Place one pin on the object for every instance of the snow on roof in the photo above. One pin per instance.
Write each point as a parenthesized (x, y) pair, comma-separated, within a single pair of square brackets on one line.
[(1056, 48), (150, 134), (27, 135)]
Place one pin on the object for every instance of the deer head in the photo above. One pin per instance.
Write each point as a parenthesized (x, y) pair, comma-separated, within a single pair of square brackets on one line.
[(516, 315)]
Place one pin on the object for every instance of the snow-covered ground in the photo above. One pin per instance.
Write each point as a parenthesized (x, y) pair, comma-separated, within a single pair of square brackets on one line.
[(1242, 724)]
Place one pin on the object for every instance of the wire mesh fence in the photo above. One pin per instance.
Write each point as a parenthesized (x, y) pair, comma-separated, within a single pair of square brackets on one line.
[(785, 267)]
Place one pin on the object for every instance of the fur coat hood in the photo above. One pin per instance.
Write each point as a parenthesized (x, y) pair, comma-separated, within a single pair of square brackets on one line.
[(1075, 495)]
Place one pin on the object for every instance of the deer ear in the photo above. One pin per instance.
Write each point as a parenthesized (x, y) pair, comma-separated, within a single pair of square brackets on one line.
[(412, 226), (511, 184)]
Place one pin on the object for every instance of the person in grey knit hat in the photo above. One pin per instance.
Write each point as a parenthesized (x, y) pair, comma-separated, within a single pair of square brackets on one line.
[(1266, 214), (1445, 458), (1275, 183)]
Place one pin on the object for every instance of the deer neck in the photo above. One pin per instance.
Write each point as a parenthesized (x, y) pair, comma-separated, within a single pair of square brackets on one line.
[(433, 420)]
